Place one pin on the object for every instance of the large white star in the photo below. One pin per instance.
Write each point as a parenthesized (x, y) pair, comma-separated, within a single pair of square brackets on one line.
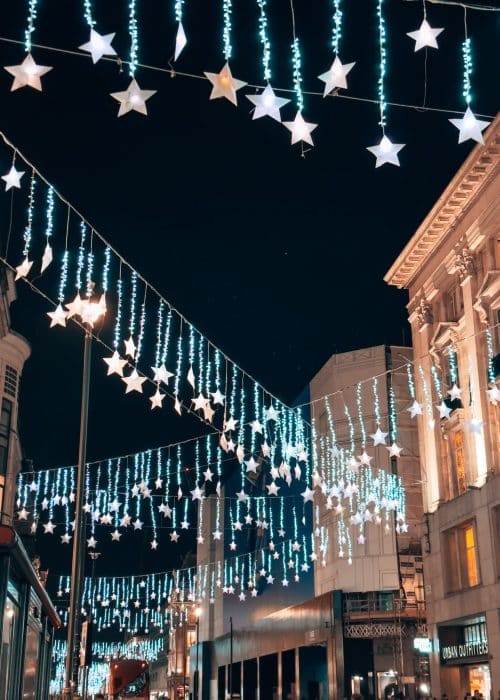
[(217, 397), (133, 99), (386, 151), (378, 437), (133, 382), (267, 104), (272, 488), (425, 35), (27, 73), (13, 178), (115, 364), (300, 129), (161, 374), (444, 410), (469, 127), (99, 45), (58, 316), (224, 85), (336, 76)]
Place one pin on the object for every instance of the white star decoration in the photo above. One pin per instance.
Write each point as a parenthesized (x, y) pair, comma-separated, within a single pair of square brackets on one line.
[(415, 409), (133, 382), (23, 269), (494, 394), (91, 542), (469, 127), (444, 410), (224, 85), (300, 129), (115, 536), (474, 425), (133, 99), (455, 392), (161, 374), (425, 35), (13, 178), (217, 397), (180, 41), (65, 539), (267, 104), (378, 437), (58, 316), (157, 399), (386, 151), (336, 76), (115, 364), (99, 45), (27, 73)]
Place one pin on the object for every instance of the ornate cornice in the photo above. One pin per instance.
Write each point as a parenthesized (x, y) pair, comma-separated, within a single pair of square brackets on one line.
[(477, 170)]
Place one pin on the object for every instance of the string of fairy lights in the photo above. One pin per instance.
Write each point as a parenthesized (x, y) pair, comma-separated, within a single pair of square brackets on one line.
[(266, 102)]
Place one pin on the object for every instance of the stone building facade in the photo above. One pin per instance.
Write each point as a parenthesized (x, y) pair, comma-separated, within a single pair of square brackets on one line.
[(451, 269)]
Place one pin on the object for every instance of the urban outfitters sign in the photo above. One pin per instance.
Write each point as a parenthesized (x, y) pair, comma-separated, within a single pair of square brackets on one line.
[(456, 652)]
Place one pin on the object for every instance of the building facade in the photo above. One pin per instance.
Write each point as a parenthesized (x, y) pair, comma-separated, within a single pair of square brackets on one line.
[(451, 269), (28, 617)]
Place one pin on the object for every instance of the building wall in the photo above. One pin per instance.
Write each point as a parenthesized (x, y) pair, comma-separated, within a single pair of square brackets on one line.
[(451, 268)]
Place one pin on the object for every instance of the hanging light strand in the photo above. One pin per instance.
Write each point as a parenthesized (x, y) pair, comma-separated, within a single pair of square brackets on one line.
[(383, 63), (29, 226), (179, 10), (87, 13), (134, 34), (227, 9), (264, 39), (467, 63), (32, 13), (297, 74), (337, 26), (491, 367)]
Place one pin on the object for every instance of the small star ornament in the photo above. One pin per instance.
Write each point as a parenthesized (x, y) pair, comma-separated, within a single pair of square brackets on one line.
[(444, 410), (23, 269), (161, 374), (58, 316), (157, 399), (494, 394), (224, 85), (267, 104), (378, 437), (300, 129), (336, 77), (415, 409), (386, 151), (133, 382), (65, 539), (133, 99), (13, 178), (469, 127), (455, 392), (27, 73), (394, 450), (115, 364), (99, 45), (425, 35)]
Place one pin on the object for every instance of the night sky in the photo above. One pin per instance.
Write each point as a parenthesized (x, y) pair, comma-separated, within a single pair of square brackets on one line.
[(278, 259)]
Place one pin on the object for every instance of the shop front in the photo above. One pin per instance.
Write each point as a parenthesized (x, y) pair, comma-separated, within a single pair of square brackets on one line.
[(464, 657)]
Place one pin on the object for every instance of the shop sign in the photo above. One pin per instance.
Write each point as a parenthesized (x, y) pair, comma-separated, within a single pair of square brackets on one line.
[(422, 645), (464, 651)]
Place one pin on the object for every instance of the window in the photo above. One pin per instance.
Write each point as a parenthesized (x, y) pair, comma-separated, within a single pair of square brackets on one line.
[(460, 555), (5, 426), (454, 303), (11, 381), (458, 450)]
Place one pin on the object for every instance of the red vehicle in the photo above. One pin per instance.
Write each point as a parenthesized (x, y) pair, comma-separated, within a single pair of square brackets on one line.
[(129, 678)]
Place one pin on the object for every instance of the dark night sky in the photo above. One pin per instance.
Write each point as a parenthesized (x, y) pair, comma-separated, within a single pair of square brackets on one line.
[(278, 259)]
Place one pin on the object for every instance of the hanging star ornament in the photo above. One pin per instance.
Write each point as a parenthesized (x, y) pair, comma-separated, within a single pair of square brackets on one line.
[(469, 127), (115, 364), (13, 178), (224, 85), (27, 73), (425, 35), (47, 258), (161, 374), (133, 382), (378, 437), (157, 399), (300, 129), (57, 317), (336, 76), (267, 104), (133, 99), (99, 45), (23, 269), (415, 409), (386, 151)]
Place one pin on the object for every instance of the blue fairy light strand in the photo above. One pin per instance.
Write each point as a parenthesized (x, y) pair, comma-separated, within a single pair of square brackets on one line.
[(337, 26), (179, 10), (87, 13), (105, 270), (49, 229), (32, 14), (491, 355), (227, 9), (28, 230), (133, 32), (81, 255), (467, 61), (264, 39), (118, 319), (383, 63), (297, 73)]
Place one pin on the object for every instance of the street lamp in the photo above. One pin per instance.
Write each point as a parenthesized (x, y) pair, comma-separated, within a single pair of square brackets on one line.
[(197, 611), (90, 312)]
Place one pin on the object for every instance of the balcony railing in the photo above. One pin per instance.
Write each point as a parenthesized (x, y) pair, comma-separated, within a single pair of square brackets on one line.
[(384, 607)]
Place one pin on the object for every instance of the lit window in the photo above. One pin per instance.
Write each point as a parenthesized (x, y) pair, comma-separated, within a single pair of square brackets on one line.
[(460, 554)]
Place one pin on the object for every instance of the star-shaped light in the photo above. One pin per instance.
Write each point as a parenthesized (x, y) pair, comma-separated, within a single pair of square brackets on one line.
[(493, 394), (99, 45), (200, 539), (115, 364), (208, 474), (474, 425), (251, 465), (75, 307), (361, 539), (394, 450), (199, 402), (158, 483), (27, 73), (133, 99), (23, 269), (300, 129), (266, 450), (336, 76), (271, 413), (217, 534), (444, 410), (196, 494), (47, 257), (365, 458), (238, 525), (130, 348), (65, 539), (386, 151), (296, 546), (217, 397), (272, 488), (469, 127), (270, 579), (161, 374), (13, 178), (137, 524), (378, 437), (455, 392), (232, 546), (208, 411), (154, 544), (91, 542), (255, 593), (230, 424), (242, 497), (114, 506), (281, 532), (125, 521), (174, 536), (22, 514), (224, 85), (415, 409), (115, 536), (58, 316), (133, 382), (307, 495), (425, 35), (267, 104), (157, 399), (165, 509), (256, 426)]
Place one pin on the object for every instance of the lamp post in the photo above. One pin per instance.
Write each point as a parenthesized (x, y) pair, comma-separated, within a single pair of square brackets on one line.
[(90, 312), (197, 613)]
